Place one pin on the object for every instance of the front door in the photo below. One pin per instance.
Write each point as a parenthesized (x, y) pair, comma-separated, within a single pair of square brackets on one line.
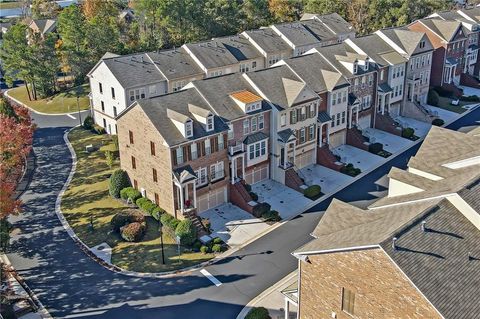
[(282, 156)]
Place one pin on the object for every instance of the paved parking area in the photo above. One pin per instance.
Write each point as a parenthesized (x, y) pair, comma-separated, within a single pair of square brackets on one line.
[(359, 158), (391, 143), (283, 199), (470, 91), (232, 224), (421, 128), (327, 178), (445, 115)]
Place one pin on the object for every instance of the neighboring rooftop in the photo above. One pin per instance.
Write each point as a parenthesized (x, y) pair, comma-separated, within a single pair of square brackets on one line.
[(332, 21), (43, 25), (407, 40), (175, 63), (378, 50), (445, 29)]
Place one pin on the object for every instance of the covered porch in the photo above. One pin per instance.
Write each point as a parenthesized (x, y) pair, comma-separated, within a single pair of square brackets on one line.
[(184, 179)]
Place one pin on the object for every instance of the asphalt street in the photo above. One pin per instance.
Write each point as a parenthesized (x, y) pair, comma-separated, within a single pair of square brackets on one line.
[(71, 285)]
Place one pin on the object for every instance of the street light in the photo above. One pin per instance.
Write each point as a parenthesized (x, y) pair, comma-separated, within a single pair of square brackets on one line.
[(79, 115), (161, 241)]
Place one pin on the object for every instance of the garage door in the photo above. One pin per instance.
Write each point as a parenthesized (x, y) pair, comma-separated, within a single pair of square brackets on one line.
[(364, 122), (338, 139), (257, 175), (212, 199), (305, 159)]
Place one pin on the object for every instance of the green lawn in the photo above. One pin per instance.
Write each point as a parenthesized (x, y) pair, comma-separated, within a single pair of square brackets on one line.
[(445, 103), (64, 102), (87, 195), (10, 4)]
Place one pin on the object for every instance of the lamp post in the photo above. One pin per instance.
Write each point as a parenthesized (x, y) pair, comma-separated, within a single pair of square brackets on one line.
[(161, 240), (79, 115)]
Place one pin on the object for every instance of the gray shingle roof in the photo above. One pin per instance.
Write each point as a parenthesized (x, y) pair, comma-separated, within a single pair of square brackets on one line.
[(184, 174), (212, 54), (255, 137), (378, 50), (406, 39), (471, 194), (268, 40), (437, 261), (217, 92), (156, 110), (175, 63), (444, 28), (285, 135), (240, 47), (297, 33), (384, 88), (473, 13), (281, 86), (134, 70), (333, 21), (323, 117)]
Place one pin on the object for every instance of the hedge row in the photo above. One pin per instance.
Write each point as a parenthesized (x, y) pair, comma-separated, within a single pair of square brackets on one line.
[(312, 191), (130, 193)]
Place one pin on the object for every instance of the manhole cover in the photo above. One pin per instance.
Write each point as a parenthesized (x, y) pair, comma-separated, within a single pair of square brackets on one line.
[(281, 202), (321, 181), (101, 248), (358, 162)]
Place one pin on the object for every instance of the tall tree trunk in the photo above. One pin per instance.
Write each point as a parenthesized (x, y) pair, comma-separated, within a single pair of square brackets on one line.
[(34, 90), (28, 91)]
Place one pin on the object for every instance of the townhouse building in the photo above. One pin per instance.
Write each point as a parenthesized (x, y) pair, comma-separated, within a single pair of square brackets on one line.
[(143, 75), (449, 42), (293, 122), (471, 28), (416, 48), (410, 254), (174, 149)]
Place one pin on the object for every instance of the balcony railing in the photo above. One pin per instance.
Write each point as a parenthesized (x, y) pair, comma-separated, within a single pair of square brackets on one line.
[(236, 149)]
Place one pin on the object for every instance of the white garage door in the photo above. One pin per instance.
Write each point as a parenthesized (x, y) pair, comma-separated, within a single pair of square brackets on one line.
[(212, 199), (305, 159), (364, 122), (257, 175), (338, 139)]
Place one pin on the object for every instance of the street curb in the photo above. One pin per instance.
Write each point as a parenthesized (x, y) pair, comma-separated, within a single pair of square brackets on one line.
[(41, 308), (35, 111), (265, 293)]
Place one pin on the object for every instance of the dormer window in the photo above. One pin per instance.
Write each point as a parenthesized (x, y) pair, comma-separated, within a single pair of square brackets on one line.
[(188, 128), (367, 62), (355, 67), (210, 125)]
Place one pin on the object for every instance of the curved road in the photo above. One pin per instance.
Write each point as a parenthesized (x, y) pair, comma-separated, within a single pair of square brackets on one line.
[(72, 285)]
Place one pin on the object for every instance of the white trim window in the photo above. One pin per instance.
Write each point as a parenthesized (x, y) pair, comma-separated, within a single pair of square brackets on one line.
[(216, 171), (343, 117), (179, 155), (230, 131), (136, 94), (334, 98), (201, 176), (332, 124), (261, 122), (244, 67), (254, 124), (208, 149), (193, 150), (188, 128), (311, 132), (257, 150), (178, 85), (246, 127), (220, 142), (283, 119), (302, 135), (210, 125)]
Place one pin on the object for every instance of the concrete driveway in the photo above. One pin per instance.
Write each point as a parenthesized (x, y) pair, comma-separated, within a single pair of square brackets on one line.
[(286, 201), (359, 158), (391, 143), (327, 178), (233, 225)]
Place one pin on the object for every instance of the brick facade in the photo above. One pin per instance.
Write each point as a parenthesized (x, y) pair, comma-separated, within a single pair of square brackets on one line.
[(370, 274)]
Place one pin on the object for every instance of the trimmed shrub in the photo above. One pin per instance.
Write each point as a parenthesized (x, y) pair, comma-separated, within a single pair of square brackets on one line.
[(350, 170), (157, 212), (253, 196), (260, 209), (442, 91), (312, 191), (375, 148), (187, 232), (217, 248), (98, 129), (258, 313), (169, 221), (133, 232), (130, 193), (408, 132), (471, 98), (146, 205), (438, 122), (197, 245), (123, 218), (433, 98), (218, 240), (115, 142), (88, 123), (272, 215), (118, 181), (248, 187), (204, 249)]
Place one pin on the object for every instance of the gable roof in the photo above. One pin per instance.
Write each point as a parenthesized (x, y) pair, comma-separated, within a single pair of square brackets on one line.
[(445, 29), (296, 33), (268, 40), (378, 50), (332, 21), (296, 91), (407, 40), (44, 25), (175, 63)]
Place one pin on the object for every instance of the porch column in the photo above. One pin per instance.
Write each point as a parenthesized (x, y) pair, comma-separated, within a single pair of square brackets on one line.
[(194, 194), (350, 118), (232, 168), (384, 97), (356, 115), (285, 154), (293, 153), (182, 202), (287, 308), (328, 133), (243, 165)]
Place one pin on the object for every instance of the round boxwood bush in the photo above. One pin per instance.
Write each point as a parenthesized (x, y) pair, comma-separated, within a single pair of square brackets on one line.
[(218, 240), (408, 132), (133, 232), (157, 212), (146, 205), (197, 245), (118, 181), (433, 98), (187, 232), (312, 191), (438, 122), (258, 313), (260, 209), (130, 193), (375, 148), (217, 248), (271, 215), (204, 249), (88, 123), (126, 217)]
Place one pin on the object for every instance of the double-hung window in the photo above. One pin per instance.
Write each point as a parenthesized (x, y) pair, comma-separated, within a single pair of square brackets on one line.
[(193, 150), (303, 112), (201, 176), (230, 131), (312, 110), (216, 171), (302, 135), (261, 123), (283, 120), (207, 147), (311, 132), (220, 142), (333, 121), (343, 117), (293, 116), (334, 98), (210, 123), (179, 155), (246, 127), (256, 150), (254, 124)]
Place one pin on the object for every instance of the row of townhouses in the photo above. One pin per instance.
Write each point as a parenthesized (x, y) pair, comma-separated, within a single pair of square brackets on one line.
[(197, 123), (411, 254)]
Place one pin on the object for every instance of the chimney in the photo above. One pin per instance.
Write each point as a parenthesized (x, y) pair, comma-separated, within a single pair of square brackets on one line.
[(424, 227), (394, 243)]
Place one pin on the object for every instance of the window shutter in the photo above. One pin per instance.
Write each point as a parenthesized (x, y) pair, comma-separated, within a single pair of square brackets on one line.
[(291, 117), (215, 144), (189, 152), (202, 145), (225, 141), (299, 114), (185, 154), (174, 157)]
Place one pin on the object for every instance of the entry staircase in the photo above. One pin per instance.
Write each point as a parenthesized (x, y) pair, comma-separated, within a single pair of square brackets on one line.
[(197, 222), (293, 180), (325, 157), (240, 197)]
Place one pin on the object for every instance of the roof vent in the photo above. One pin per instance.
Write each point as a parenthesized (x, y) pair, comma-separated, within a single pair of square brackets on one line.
[(394, 243), (424, 227)]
